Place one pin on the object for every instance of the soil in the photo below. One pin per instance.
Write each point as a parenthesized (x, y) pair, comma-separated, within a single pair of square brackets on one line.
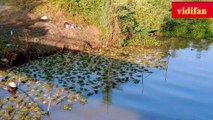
[(21, 30)]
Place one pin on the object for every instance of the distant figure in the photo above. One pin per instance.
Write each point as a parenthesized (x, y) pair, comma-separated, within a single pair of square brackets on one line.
[(12, 87), (72, 26), (11, 33), (4, 63), (66, 25), (44, 18)]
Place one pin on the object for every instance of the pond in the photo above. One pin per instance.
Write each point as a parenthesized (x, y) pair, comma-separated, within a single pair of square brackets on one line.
[(170, 82)]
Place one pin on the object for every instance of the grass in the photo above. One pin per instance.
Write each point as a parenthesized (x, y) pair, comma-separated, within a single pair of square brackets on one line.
[(2, 2), (128, 22)]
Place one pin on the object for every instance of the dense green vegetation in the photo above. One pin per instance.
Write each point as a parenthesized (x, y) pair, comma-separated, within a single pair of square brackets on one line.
[(131, 21), (136, 19), (191, 28), (65, 80)]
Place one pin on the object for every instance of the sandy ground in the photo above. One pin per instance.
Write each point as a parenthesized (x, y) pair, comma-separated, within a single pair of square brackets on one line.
[(50, 32), (19, 28)]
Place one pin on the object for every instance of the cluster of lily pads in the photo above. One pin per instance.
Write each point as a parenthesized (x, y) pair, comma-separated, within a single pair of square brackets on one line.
[(149, 57), (33, 98), (84, 74), (64, 79)]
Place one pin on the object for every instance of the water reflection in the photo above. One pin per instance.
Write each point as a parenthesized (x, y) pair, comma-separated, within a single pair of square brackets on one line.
[(34, 99), (198, 45), (63, 79), (82, 74)]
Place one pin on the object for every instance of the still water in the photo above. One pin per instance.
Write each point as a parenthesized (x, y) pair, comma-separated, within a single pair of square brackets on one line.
[(170, 82)]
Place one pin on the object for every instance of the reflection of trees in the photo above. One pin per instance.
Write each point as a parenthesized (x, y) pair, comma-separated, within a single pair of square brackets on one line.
[(149, 57), (108, 81), (175, 44), (77, 75), (82, 74), (86, 74), (107, 95)]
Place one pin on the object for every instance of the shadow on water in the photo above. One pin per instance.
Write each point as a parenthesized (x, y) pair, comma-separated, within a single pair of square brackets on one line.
[(69, 78), (72, 77), (64, 79), (17, 26)]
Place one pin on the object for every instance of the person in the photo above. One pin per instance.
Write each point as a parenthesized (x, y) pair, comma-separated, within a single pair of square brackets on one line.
[(72, 26), (66, 25)]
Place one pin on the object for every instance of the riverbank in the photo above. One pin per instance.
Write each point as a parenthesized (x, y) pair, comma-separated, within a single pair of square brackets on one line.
[(24, 36), (82, 83)]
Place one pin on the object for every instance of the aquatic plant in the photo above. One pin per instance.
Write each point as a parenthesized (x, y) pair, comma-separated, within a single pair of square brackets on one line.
[(33, 98), (63, 79), (86, 73)]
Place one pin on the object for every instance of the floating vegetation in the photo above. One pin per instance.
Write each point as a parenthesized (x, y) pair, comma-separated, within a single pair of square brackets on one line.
[(67, 107), (63, 79), (148, 57), (33, 99)]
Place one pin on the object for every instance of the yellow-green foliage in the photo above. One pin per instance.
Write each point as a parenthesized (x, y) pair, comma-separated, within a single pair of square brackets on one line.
[(190, 28), (98, 12), (2, 2), (150, 13), (94, 11), (137, 18)]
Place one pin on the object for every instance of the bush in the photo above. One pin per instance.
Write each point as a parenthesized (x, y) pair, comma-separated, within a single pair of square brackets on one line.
[(189, 28), (136, 19)]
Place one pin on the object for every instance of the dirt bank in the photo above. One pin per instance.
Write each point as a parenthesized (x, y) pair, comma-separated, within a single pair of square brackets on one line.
[(24, 36)]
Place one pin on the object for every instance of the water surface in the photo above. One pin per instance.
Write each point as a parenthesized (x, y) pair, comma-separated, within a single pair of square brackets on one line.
[(171, 82)]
